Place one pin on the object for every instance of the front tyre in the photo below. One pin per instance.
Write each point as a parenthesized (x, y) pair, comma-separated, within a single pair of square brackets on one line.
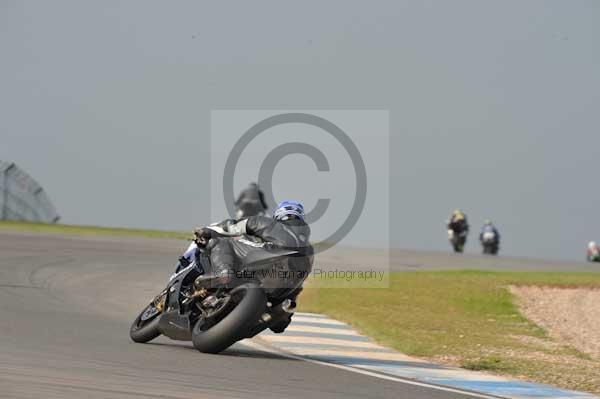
[(145, 326), (249, 302)]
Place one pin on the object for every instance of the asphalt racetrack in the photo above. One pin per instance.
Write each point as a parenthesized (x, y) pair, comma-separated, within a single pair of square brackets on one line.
[(66, 304)]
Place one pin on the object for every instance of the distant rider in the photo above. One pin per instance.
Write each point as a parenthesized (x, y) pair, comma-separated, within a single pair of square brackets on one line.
[(251, 202), (458, 229), (489, 238), (489, 230), (593, 252), (458, 222)]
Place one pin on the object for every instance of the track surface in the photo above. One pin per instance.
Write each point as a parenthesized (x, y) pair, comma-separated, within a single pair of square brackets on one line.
[(66, 304)]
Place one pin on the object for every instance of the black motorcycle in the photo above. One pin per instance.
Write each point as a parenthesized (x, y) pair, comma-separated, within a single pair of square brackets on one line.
[(214, 312), (457, 240)]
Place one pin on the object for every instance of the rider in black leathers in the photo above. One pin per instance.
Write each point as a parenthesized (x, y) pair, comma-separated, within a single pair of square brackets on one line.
[(458, 222), (227, 254), (287, 230), (458, 229)]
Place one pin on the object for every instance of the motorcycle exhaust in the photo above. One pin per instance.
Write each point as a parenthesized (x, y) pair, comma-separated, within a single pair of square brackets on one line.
[(284, 308), (266, 318), (288, 306)]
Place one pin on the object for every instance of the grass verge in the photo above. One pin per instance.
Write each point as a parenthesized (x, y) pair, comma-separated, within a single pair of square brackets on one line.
[(461, 318), (88, 230)]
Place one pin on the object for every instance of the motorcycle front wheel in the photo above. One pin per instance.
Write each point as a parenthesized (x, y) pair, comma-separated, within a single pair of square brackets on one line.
[(145, 326)]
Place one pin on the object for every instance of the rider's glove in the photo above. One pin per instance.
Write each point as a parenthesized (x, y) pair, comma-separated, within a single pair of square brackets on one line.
[(202, 236)]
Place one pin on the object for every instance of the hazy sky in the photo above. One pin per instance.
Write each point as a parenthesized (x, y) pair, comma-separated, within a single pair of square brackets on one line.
[(493, 107)]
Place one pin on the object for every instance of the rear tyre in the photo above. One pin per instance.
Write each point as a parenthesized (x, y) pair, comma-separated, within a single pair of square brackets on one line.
[(458, 247), (251, 304), (145, 329), (490, 249)]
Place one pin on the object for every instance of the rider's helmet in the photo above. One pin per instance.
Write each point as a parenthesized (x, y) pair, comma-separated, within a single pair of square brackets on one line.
[(592, 245), (289, 210), (487, 222), (458, 215)]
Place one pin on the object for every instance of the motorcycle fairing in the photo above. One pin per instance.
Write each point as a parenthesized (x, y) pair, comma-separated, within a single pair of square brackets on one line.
[(174, 323)]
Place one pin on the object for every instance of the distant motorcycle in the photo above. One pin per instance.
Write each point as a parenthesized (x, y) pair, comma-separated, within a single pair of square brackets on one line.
[(490, 243), (215, 314), (457, 240), (593, 252), (251, 202), (246, 209)]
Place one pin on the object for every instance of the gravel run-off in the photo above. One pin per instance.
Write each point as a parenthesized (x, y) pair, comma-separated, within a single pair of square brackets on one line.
[(569, 315)]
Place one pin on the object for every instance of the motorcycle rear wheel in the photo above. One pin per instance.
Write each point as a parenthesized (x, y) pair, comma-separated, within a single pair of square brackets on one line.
[(244, 316)]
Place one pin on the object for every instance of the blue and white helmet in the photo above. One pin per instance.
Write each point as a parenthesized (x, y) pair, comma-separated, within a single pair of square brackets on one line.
[(286, 209)]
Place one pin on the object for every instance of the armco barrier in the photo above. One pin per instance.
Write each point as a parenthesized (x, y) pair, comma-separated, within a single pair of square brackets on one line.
[(22, 198)]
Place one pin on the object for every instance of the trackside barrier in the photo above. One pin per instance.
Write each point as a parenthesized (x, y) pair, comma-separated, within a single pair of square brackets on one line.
[(22, 198)]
